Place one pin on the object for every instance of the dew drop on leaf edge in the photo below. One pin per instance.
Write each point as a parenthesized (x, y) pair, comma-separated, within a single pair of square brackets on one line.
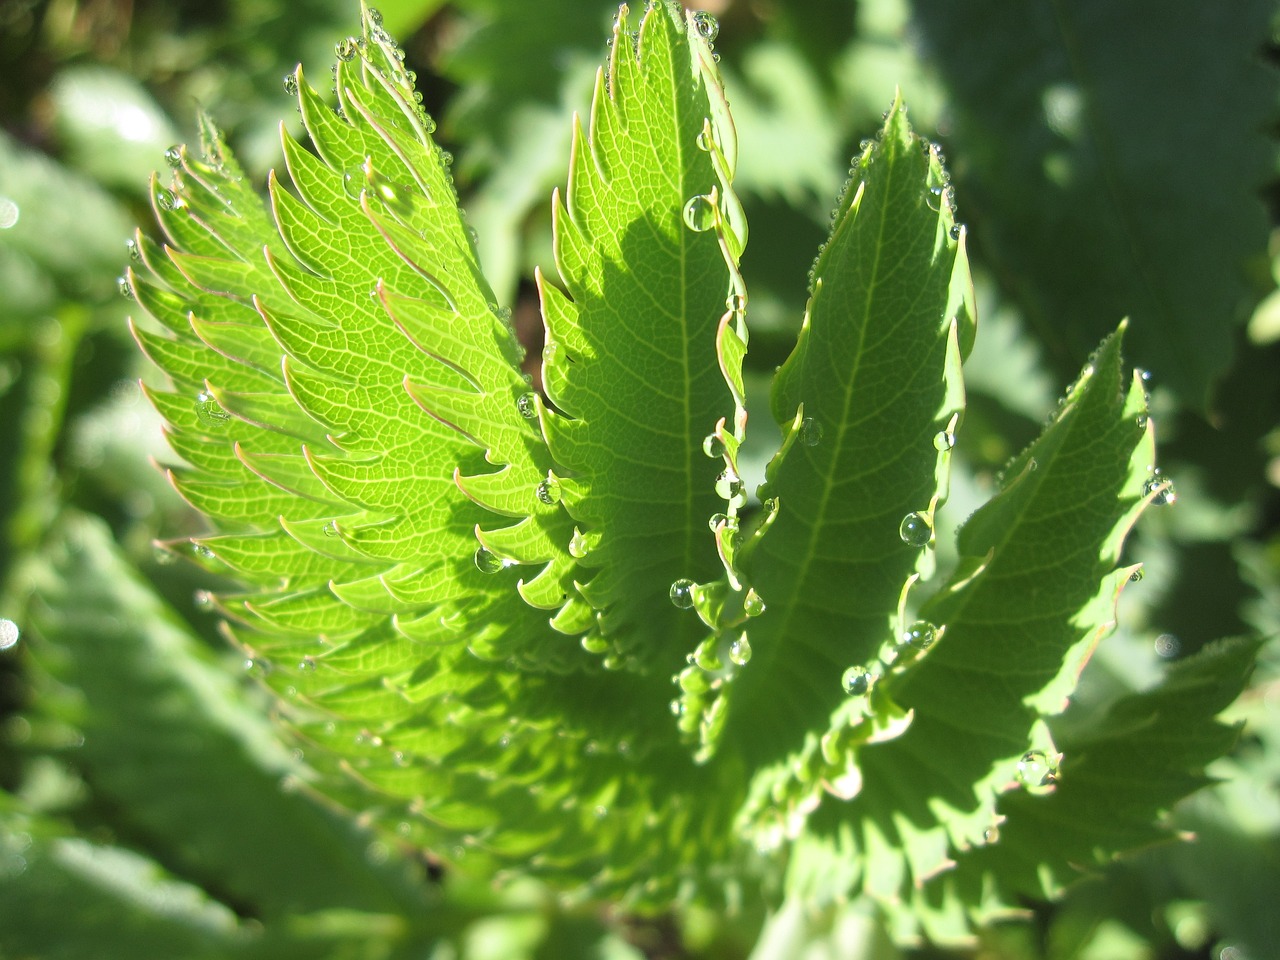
[(527, 406), (713, 446), (487, 561), (173, 156), (700, 214), (681, 593), (707, 26), (291, 83), (1036, 769), (856, 681), (548, 491), (810, 432), (346, 49), (209, 411), (915, 530), (920, 635), (729, 485), (740, 651)]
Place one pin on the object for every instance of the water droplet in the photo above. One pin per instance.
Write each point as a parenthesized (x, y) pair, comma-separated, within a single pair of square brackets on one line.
[(346, 49), (487, 561), (1136, 576), (915, 530), (124, 287), (740, 651), (1165, 495), (810, 432), (991, 835), (955, 231), (330, 528), (677, 708), (9, 634), (1142, 421), (135, 252), (920, 634), (548, 491), (527, 405), (209, 411), (1037, 769), (307, 664), (165, 199), (703, 141), (856, 681), (395, 196), (1168, 646), (578, 545), (681, 593), (753, 604), (713, 446), (173, 156), (729, 485), (943, 440), (203, 552), (707, 26), (203, 600), (737, 302), (700, 214), (291, 83), (375, 16)]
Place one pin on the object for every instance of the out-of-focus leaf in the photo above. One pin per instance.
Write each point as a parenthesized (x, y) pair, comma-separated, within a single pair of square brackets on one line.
[(64, 898), (111, 127), (169, 739), (1113, 159), (63, 224)]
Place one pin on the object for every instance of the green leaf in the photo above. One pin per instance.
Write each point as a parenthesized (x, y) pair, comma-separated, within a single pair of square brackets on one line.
[(631, 362), (171, 742), (1081, 154), (874, 380), (64, 897), (1118, 778), (1033, 593)]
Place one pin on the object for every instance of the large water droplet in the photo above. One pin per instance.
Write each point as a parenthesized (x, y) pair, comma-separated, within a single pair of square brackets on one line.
[(291, 83), (375, 16), (737, 302), (166, 199), (1168, 646), (173, 156), (810, 432), (487, 561), (915, 530), (330, 528), (527, 406), (700, 214), (9, 634), (578, 545), (307, 664), (135, 252), (395, 196), (740, 651), (681, 593), (729, 485), (713, 446), (1036, 769), (124, 287), (753, 604), (944, 440), (707, 26), (856, 681), (549, 491), (209, 411), (920, 634), (346, 49)]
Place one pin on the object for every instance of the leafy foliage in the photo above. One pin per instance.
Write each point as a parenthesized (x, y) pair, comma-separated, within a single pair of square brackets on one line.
[(549, 627)]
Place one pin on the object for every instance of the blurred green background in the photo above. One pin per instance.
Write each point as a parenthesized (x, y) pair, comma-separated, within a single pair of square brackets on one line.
[(1110, 160)]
